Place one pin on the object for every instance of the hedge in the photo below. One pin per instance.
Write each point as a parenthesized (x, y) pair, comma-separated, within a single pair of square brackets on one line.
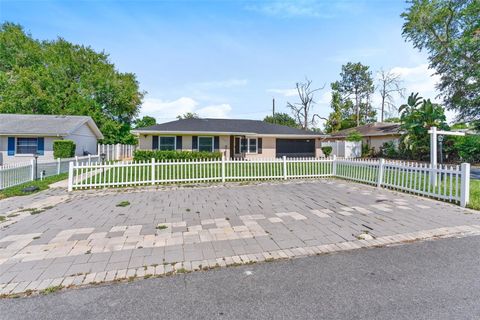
[(63, 149), (147, 155), (327, 151)]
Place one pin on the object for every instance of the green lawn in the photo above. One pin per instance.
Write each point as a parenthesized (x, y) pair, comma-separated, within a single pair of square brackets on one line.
[(474, 194), (42, 185)]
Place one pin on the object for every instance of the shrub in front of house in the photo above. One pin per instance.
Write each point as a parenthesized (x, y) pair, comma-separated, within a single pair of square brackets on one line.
[(327, 151), (63, 149), (160, 155)]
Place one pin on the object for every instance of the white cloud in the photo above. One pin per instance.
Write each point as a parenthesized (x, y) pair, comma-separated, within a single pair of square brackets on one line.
[(284, 92), (229, 83), (164, 110), (215, 111)]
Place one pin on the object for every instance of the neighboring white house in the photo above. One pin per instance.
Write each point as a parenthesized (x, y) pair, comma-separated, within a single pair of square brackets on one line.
[(23, 135)]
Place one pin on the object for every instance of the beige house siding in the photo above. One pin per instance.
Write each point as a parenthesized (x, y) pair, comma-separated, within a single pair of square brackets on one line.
[(376, 142), (268, 146)]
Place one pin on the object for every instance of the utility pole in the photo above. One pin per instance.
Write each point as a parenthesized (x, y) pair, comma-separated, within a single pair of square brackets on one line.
[(273, 107)]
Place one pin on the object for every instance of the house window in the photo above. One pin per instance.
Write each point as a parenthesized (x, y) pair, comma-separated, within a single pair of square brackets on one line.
[(205, 144), (252, 145), (27, 145), (167, 143)]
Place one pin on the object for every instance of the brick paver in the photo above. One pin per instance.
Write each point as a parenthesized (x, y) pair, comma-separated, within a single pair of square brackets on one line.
[(85, 237)]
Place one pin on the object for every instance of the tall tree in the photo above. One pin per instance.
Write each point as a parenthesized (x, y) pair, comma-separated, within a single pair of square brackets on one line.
[(389, 86), (145, 121), (58, 77), (356, 84), (303, 111), (449, 30), (281, 119), (416, 117)]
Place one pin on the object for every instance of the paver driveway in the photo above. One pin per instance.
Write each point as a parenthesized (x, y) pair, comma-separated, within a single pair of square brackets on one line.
[(85, 237)]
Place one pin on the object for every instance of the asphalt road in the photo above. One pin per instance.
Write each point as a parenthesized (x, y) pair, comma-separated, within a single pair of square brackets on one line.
[(429, 280)]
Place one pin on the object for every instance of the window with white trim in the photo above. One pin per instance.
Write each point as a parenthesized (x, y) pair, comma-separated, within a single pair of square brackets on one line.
[(252, 145), (167, 143), (205, 144), (27, 145)]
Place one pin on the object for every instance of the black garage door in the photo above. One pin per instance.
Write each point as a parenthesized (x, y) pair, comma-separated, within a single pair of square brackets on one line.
[(296, 147)]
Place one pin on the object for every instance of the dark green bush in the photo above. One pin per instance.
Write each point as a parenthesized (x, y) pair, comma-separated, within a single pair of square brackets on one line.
[(327, 151), (147, 155), (389, 150), (63, 149)]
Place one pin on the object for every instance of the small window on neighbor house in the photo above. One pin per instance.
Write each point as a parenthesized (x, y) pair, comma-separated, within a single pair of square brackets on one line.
[(252, 145), (27, 145), (166, 143), (205, 144)]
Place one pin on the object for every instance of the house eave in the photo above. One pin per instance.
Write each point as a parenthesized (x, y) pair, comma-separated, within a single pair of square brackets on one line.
[(222, 133)]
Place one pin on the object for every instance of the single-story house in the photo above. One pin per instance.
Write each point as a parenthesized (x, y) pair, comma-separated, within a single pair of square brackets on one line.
[(374, 134), (24, 135), (235, 138)]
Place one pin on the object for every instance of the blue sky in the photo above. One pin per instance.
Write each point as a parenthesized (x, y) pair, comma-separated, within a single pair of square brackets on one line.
[(230, 58)]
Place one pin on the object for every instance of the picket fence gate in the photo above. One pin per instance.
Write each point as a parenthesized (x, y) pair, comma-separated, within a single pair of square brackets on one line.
[(452, 183)]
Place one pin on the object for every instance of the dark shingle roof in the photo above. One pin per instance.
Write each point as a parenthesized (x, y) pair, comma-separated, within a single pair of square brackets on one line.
[(45, 125), (371, 129), (224, 125)]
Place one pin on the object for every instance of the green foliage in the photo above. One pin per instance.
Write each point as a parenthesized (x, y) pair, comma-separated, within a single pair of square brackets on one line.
[(58, 77), (327, 151), (355, 90), (367, 152), (389, 150), (354, 136), (188, 115), (450, 32), (146, 121), (147, 155), (463, 149), (281, 119), (417, 116), (63, 149)]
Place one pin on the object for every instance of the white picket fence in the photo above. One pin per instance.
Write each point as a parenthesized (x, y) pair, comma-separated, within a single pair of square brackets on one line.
[(115, 152), (18, 173), (450, 183)]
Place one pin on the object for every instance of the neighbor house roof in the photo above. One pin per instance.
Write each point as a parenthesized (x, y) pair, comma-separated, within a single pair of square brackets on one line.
[(370, 130), (44, 125), (224, 126)]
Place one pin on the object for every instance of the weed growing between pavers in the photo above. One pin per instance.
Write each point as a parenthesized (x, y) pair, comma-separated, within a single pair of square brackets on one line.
[(161, 227), (2, 218), (51, 289), (123, 204)]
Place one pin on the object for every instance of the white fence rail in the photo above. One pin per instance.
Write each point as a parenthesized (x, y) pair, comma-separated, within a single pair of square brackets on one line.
[(18, 173), (452, 183), (114, 152)]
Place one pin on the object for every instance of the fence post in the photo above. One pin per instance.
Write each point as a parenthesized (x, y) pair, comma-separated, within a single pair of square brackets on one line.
[(76, 160), (465, 185), (223, 168), (380, 172), (70, 176), (153, 171), (59, 163), (32, 174), (284, 158), (334, 165), (89, 159)]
